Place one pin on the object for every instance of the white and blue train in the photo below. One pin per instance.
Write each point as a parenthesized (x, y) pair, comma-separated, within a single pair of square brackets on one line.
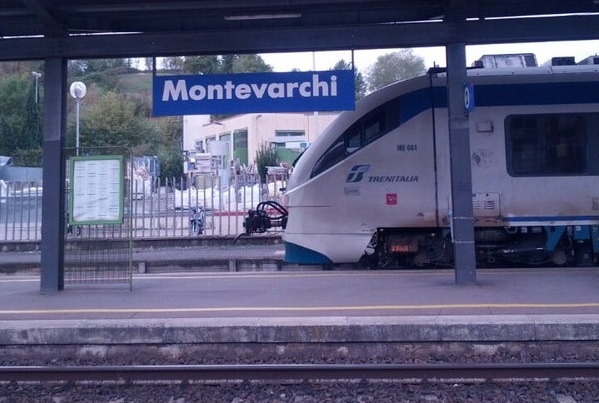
[(375, 187)]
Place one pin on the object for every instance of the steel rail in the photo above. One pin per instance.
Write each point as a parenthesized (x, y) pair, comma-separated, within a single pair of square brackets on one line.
[(499, 371)]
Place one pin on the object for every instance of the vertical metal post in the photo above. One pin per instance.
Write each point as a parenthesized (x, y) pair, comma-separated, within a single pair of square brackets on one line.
[(77, 131), (461, 170), (53, 197)]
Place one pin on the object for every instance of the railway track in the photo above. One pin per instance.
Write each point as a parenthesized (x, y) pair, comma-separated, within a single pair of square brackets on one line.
[(302, 372)]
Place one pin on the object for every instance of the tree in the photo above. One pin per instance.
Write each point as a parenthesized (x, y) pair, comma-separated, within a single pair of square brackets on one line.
[(117, 112), (359, 83), (112, 121), (149, 63), (201, 65), (226, 63), (171, 163), (31, 157), (250, 64), (169, 148), (105, 73), (21, 68), (218, 64), (29, 147), (392, 67), (13, 93), (21, 119), (173, 63), (266, 156)]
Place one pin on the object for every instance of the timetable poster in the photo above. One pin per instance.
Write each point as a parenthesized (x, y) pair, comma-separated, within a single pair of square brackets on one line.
[(96, 190)]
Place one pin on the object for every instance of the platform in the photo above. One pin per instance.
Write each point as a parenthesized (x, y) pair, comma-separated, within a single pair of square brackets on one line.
[(378, 306)]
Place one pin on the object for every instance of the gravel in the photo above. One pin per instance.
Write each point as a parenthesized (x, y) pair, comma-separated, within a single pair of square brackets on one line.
[(333, 392)]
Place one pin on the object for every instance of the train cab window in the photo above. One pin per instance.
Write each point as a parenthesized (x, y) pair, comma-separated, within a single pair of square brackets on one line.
[(334, 154), (549, 144), (353, 139), (373, 127), (367, 129)]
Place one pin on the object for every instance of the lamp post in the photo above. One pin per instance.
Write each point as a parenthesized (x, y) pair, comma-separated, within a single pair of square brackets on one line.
[(78, 91), (37, 77)]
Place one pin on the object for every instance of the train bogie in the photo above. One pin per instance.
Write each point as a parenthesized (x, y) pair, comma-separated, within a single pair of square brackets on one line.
[(495, 247)]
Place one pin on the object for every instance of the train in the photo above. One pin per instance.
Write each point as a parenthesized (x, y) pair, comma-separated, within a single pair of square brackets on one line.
[(375, 187)]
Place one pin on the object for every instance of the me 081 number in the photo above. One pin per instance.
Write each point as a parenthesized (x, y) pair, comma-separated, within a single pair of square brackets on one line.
[(407, 147)]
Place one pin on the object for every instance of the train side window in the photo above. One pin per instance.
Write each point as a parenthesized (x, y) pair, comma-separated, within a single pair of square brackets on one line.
[(547, 144)]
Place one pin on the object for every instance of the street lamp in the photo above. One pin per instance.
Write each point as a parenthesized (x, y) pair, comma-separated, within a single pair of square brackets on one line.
[(78, 91), (37, 77)]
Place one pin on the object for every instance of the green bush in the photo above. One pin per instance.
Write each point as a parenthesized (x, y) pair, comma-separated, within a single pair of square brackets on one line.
[(266, 156)]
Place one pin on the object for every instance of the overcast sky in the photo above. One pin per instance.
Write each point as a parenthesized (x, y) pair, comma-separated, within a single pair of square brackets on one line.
[(363, 59)]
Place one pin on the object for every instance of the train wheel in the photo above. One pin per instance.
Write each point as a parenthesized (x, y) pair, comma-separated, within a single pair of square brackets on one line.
[(559, 257)]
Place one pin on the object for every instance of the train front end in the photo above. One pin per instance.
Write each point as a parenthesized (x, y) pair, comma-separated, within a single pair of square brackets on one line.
[(334, 199)]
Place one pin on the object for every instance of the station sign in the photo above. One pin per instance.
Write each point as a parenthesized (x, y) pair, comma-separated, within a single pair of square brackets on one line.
[(331, 90)]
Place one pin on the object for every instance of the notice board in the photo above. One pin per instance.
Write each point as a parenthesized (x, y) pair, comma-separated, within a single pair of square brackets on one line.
[(96, 190)]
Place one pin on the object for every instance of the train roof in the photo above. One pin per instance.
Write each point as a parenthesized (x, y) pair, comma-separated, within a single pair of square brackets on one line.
[(525, 64), (533, 70)]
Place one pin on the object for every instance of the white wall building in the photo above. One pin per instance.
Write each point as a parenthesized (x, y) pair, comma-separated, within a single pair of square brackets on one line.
[(289, 132)]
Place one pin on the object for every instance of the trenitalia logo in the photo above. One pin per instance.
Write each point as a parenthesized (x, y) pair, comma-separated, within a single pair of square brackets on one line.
[(357, 173), (262, 92)]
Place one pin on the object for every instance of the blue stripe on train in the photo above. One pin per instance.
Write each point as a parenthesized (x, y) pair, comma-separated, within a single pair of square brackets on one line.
[(418, 101), (544, 220)]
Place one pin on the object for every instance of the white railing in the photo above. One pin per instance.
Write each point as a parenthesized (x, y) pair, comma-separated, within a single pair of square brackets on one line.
[(156, 208)]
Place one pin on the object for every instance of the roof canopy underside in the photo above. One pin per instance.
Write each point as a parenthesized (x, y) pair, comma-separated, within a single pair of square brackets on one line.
[(32, 29)]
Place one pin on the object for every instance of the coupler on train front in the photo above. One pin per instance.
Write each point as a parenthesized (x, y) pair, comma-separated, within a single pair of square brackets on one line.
[(268, 216)]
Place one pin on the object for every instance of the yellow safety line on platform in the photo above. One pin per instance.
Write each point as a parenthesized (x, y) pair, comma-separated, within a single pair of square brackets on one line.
[(283, 274), (295, 309)]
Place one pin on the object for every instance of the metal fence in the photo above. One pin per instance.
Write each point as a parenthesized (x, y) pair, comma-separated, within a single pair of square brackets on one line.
[(159, 208)]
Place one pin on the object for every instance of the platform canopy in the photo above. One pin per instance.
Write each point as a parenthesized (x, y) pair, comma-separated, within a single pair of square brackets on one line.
[(36, 29)]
